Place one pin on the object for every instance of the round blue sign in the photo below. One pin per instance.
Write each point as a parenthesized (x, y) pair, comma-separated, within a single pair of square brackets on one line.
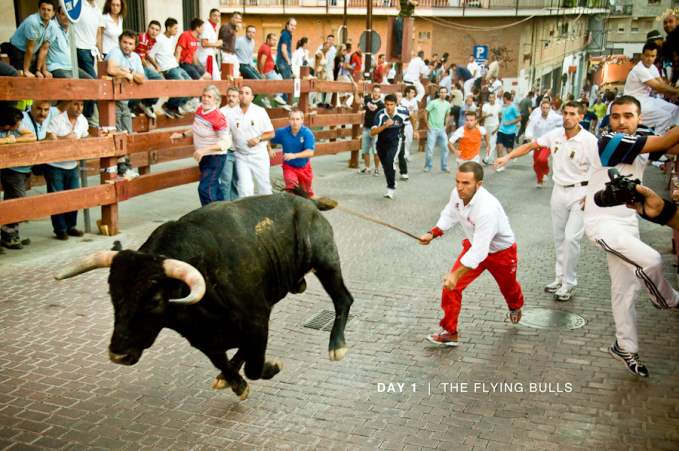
[(73, 9)]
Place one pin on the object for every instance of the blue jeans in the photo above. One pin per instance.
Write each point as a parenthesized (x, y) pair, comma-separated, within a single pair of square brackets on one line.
[(58, 179), (195, 71), (249, 72), (176, 73), (63, 73), (209, 187), (86, 63), (149, 74), (229, 177), (286, 73), (368, 142), (434, 137)]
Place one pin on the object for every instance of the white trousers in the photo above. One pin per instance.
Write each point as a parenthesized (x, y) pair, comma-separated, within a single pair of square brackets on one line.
[(659, 114), (492, 142), (631, 265), (253, 173), (567, 227), (408, 134)]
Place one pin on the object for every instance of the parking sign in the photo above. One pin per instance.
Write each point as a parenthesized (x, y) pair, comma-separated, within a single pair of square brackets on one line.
[(73, 8), (481, 53)]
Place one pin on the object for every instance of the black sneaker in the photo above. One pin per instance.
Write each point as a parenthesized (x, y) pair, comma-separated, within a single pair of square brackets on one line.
[(631, 359), (12, 243)]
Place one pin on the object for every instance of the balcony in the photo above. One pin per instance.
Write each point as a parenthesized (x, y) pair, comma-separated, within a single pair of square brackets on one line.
[(621, 9), (388, 7)]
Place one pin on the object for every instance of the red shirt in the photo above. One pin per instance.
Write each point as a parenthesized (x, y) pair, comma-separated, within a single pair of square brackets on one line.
[(268, 62), (189, 44), (145, 44), (357, 63), (379, 73)]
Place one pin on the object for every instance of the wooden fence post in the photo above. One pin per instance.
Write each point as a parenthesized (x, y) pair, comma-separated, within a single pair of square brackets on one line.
[(109, 165), (304, 103), (228, 71)]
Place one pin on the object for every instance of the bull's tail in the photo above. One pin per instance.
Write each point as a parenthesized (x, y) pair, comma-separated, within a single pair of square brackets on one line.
[(322, 203)]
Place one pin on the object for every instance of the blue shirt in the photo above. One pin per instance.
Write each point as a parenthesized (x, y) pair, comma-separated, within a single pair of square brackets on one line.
[(33, 29), (40, 130), (126, 62), (509, 113), (390, 136), (59, 53), (286, 38), (303, 140)]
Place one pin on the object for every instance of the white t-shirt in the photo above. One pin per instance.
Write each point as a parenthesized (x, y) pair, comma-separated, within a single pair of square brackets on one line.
[(573, 158), (416, 68), (446, 82), (248, 125), (459, 134), (61, 126), (299, 57), (111, 33), (492, 113), (635, 86), (495, 87), (163, 52), (539, 126), (474, 69), (210, 34), (85, 29)]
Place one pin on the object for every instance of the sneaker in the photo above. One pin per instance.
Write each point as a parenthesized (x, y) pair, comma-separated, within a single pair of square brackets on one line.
[(404, 177), (376, 172), (169, 112), (427, 169), (390, 194), (552, 287), (61, 236), (286, 107), (364, 171), (515, 316), (280, 100), (148, 111), (446, 171), (631, 359), (539, 184), (500, 169), (130, 174), (75, 232), (266, 103), (443, 338), (564, 293), (12, 243)]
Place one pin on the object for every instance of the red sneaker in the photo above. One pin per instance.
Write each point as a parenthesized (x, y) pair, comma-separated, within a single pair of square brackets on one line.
[(443, 338)]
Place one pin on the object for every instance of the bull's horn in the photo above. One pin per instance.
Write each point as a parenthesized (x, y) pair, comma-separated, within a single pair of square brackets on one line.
[(177, 269), (101, 259)]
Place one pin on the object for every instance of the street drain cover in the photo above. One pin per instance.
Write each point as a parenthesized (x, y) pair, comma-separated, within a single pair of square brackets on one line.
[(323, 320), (544, 318)]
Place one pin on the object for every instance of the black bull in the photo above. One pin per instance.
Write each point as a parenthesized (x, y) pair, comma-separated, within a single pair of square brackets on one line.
[(230, 263)]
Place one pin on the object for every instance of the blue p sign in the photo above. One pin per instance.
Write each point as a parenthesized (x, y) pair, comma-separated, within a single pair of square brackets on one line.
[(73, 9), (481, 53)]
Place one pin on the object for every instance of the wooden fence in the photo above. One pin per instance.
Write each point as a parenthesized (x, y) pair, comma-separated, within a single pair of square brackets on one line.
[(150, 143)]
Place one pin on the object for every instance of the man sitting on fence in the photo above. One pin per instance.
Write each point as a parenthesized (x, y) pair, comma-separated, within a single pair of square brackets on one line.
[(31, 37), (59, 63), (186, 55), (62, 176), (14, 180)]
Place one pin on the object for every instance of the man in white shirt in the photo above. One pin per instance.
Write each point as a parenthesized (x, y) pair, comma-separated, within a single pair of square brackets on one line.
[(62, 176), (536, 128), (209, 43), (473, 68), (88, 34), (574, 152), (416, 69), (490, 116), (251, 127), (631, 262), (644, 79), (229, 177), (489, 244), (330, 54)]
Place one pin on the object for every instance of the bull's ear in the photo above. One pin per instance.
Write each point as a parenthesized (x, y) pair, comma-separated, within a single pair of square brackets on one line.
[(117, 246)]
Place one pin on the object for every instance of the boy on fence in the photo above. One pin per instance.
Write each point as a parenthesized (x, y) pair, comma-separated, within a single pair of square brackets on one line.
[(298, 144)]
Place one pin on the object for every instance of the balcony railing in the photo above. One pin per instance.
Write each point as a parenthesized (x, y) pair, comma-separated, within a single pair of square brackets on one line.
[(621, 9), (423, 4)]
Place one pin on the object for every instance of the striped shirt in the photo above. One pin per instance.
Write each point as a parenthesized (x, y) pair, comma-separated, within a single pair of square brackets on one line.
[(210, 128), (391, 135)]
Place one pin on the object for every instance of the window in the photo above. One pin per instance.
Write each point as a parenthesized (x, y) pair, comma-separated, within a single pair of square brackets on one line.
[(634, 29), (621, 28), (424, 35)]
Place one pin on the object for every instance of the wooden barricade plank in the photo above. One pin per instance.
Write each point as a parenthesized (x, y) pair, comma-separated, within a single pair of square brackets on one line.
[(337, 147), (157, 181), (333, 86), (167, 88), (35, 207), (336, 119), (18, 88), (28, 154)]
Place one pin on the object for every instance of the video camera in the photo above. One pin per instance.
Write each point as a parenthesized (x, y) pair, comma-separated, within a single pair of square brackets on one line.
[(620, 190)]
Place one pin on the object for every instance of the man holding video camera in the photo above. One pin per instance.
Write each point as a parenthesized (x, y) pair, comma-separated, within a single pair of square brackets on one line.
[(614, 227), (654, 208)]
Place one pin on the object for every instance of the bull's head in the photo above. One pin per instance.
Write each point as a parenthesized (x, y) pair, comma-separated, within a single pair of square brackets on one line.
[(141, 287)]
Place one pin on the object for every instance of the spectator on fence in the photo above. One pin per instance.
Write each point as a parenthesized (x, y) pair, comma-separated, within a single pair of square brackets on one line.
[(245, 48), (356, 63), (7, 70), (300, 57), (112, 24), (329, 51), (388, 128), (145, 42), (30, 39), (229, 177), (58, 64), (406, 9), (88, 33), (69, 123), (416, 69), (344, 74), (437, 118), (227, 34), (210, 45), (14, 180), (379, 73), (211, 139), (298, 143), (185, 52), (162, 54), (266, 65), (372, 104), (251, 129), (284, 49)]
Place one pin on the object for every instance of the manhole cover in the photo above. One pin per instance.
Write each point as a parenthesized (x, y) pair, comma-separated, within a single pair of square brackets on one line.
[(323, 320), (544, 318)]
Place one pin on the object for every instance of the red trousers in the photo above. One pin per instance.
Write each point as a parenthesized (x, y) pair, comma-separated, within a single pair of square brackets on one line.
[(541, 162), (298, 176), (502, 266)]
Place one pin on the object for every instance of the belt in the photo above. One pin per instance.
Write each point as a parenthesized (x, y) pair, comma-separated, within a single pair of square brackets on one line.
[(576, 184)]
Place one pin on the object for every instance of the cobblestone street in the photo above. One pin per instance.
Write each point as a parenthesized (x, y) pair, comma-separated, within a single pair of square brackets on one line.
[(58, 389)]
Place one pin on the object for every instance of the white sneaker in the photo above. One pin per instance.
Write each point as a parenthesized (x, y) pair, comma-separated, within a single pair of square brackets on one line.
[(281, 101), (148, 111), (404, 176), (500, 169), (564, 293), (390, 194), (552, 287)]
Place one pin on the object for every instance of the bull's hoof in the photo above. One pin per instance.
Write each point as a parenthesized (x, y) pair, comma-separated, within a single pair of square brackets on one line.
[(219, 383), (337, 354), (271, 369), (242, 390)]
